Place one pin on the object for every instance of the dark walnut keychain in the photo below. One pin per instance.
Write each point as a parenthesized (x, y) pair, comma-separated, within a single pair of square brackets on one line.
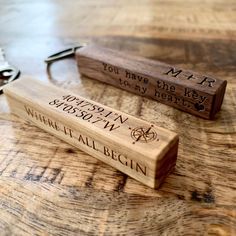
[(196, 93)]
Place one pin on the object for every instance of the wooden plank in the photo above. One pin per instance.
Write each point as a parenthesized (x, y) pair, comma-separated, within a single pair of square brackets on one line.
[(195, 93), (140, 149), (46, 208), (50, 187)]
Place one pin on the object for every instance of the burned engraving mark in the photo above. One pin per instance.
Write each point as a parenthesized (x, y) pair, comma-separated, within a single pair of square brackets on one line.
[(144, 134)]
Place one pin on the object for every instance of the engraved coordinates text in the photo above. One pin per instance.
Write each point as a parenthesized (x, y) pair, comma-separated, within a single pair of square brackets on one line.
[(90, 112)]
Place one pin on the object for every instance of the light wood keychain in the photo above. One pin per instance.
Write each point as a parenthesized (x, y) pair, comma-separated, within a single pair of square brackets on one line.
[(142, 150), (198, 94), (137, 148)]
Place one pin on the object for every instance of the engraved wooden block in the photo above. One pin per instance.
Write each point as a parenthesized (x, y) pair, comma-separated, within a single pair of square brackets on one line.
[(139, 149), (195, 93)]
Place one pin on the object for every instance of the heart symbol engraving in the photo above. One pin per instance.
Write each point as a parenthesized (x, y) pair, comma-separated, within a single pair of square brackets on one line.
[(199, 107)]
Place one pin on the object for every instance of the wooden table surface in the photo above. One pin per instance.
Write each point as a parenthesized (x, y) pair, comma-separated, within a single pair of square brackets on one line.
[(48, 187)]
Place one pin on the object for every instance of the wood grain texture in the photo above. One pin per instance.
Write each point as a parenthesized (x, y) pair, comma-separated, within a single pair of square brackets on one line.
[(47, 187), (135, 147), (198, 94)]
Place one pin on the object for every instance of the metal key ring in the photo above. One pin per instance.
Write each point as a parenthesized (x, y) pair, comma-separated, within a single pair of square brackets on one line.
[(62, 54), (7, 75)]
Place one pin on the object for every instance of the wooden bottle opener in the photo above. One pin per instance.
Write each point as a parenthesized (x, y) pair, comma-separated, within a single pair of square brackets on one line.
[(137, 148), (198, 94)]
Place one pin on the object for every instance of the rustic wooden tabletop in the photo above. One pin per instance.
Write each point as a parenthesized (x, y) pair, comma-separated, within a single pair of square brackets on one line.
[(48, 187)]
